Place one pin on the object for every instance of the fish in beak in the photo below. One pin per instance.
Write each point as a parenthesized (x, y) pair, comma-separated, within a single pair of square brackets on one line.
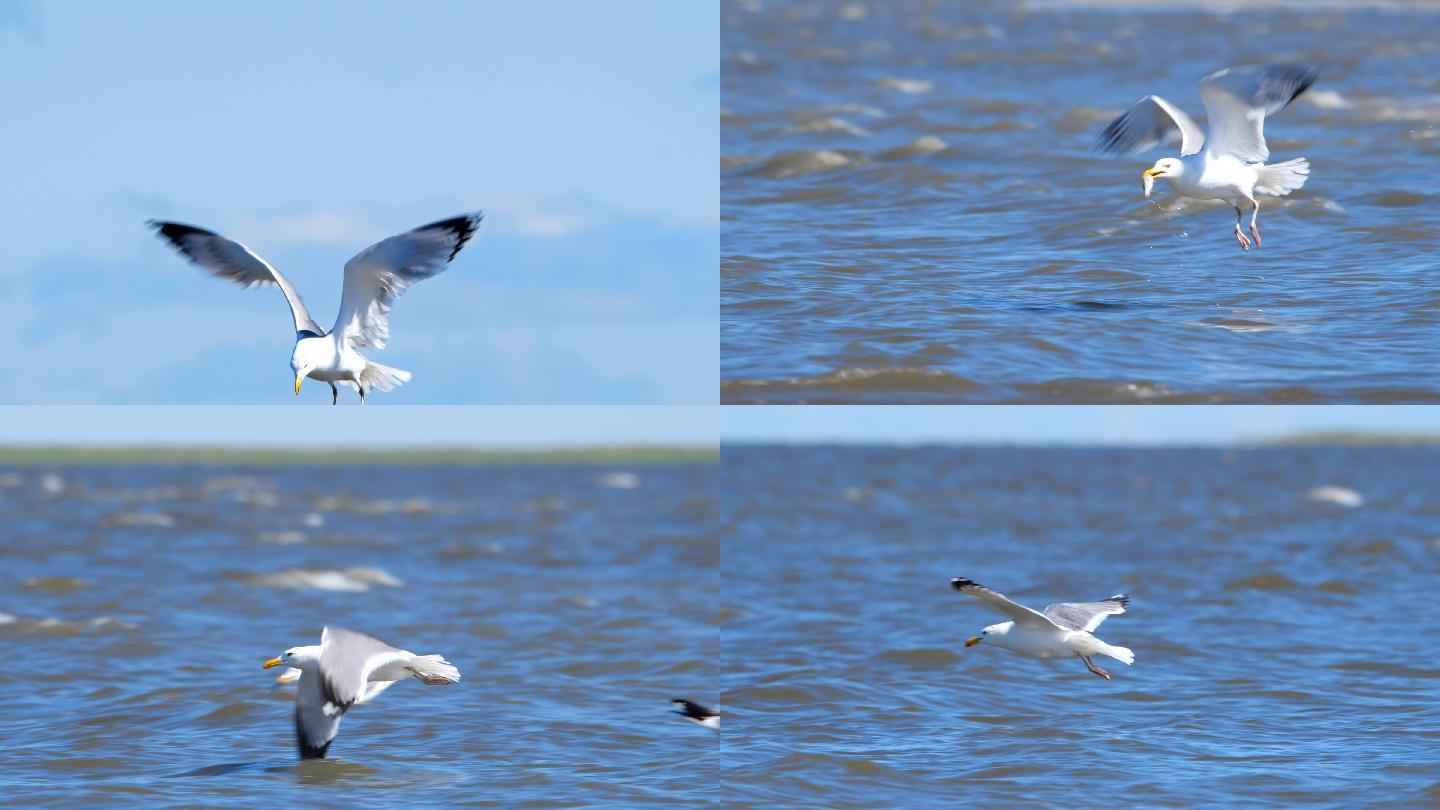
[(972, 641), (1149, 179), (273, 662)]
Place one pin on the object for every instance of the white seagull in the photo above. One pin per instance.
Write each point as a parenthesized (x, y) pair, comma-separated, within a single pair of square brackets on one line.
[(696, 713), (1228, 163), (345, 670), (1061, 631), (373, 280)]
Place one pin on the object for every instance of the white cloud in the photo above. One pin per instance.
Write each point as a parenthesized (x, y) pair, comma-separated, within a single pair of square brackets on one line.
[(535, 218), (318, 227)]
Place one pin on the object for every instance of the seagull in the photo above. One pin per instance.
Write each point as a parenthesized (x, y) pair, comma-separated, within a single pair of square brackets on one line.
[(1062, 630), (1228, 163), (292, 675), (344, 670), (373, 280), (696, 713)]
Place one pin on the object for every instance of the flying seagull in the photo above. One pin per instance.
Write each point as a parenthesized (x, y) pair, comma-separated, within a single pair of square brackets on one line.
[(696, 713), (345, 670), (373, 280), (1062, 630), (1228, 163)]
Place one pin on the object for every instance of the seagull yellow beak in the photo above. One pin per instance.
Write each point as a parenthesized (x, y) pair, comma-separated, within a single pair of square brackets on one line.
[(273, 662), (972, 641), (298, 379), (1153, 172)]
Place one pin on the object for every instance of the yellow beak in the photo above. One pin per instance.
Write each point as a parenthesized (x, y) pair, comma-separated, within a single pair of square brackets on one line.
[(1153, 172), (273, 662), (298, 379), (972, 641)]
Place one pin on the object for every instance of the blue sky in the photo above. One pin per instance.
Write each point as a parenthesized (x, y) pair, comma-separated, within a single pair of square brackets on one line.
[(1069, 424), (587, 131), (269, 426)]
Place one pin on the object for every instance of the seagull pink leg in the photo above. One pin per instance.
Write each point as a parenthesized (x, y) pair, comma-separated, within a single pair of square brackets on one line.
[(1255, 212), (1090, 665), (1239, 234)]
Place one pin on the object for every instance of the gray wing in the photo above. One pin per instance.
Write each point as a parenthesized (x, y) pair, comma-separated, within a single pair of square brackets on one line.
[(346, 661), (317, 720), (382, 272), (1017, 612), (1237, 99), (1152, 121), (230, 260), (1086, 615)]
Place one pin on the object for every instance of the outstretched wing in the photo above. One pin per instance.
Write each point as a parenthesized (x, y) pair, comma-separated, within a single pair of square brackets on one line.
[(1237, 99), (346, 660), (230, 260), (1086, 615), (1152, 121), (382, 272), (317, 721), (1017, 612)]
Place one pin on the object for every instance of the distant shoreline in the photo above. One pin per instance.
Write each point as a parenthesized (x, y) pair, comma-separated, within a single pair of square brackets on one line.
[(38, 455), (1321, 438), (1348, 438)]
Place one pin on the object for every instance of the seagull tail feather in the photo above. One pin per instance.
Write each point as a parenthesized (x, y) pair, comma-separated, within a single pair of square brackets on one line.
[(384, 378), (1121, 654), (1280, 179), (434, 665)]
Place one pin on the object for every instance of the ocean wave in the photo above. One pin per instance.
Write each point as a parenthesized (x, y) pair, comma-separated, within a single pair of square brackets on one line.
[(352, 580)]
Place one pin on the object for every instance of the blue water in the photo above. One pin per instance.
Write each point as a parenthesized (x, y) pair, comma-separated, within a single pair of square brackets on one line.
[(139, 603), (1284, 643), (911, 210)]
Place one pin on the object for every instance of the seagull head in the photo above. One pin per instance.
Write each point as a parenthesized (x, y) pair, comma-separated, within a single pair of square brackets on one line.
[(995, 632), (298, 657), (1164, 167), (309, 354)]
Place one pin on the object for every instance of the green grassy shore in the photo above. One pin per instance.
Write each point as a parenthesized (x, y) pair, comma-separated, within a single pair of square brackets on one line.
[(1344, 438)]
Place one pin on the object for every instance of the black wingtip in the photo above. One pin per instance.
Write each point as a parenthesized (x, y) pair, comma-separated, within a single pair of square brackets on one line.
[(1110, 136), (960, 583), (463, 226), (174, 231), (308, 751), (1307, 77), (692, 709), (1303, 75), (1123, 599)]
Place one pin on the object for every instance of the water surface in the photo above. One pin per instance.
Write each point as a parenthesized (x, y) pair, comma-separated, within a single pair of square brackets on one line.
[(1283, 622), (912, 213), (138, 602)]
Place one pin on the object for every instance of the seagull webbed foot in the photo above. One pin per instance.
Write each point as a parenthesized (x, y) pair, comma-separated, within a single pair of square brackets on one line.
[(1242, 239), (1090, 665)]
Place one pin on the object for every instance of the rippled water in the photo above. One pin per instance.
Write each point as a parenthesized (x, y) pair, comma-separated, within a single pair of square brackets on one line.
[(137, 604), (1283, 624), (911, 211)]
